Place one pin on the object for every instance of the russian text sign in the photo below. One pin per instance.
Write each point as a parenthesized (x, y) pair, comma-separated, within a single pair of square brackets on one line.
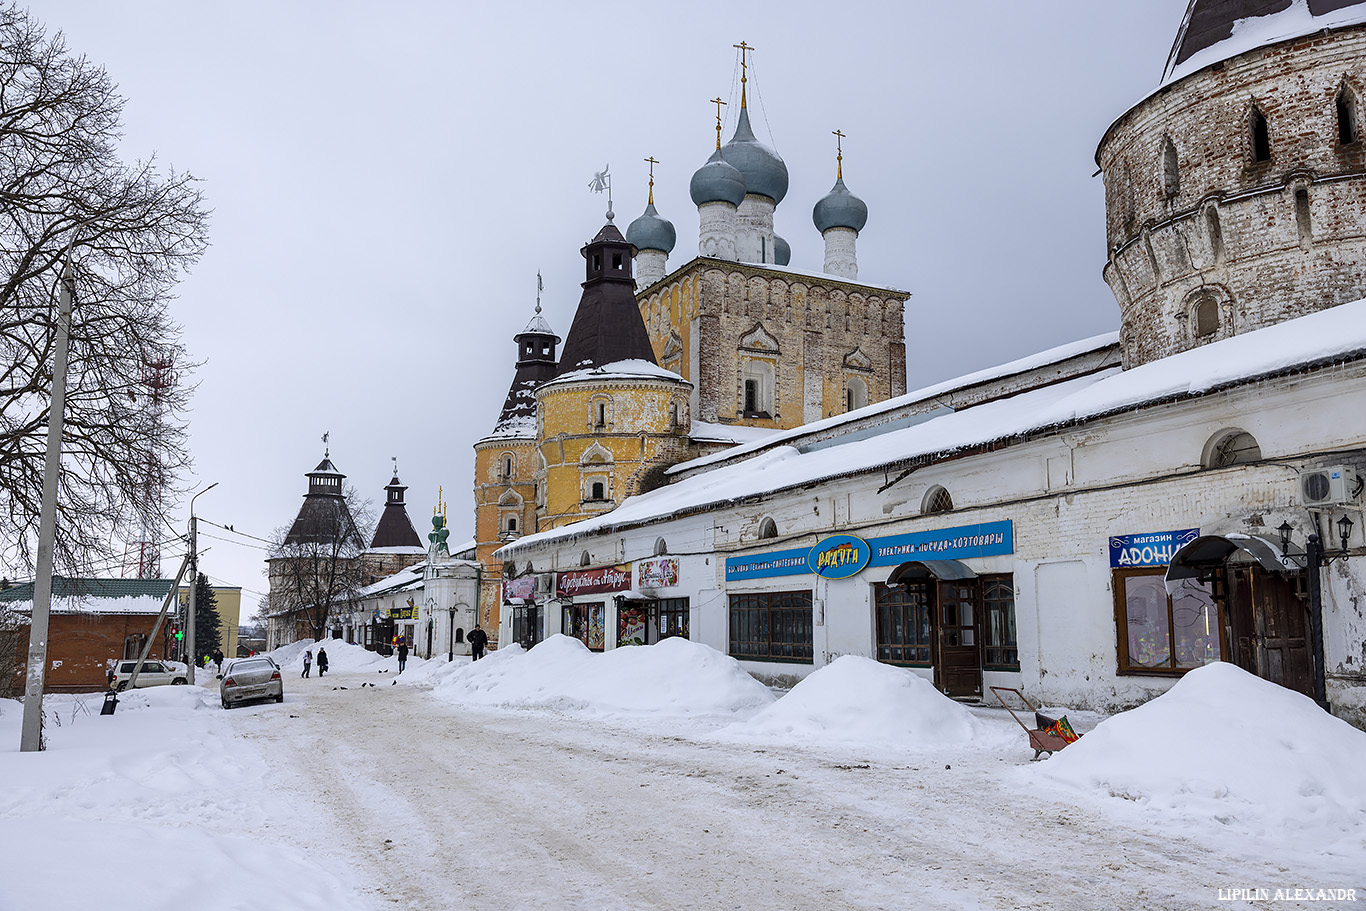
[(983, 540), (1152, 549)]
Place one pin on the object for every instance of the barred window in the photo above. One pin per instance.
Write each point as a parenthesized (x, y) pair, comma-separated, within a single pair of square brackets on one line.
[(998, 607), (903, 623), (774, 626)]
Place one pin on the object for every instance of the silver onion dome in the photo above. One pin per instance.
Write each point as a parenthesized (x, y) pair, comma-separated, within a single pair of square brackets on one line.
[(840, 209), (717, 181), (651, 232), (764, 172), (782, 251)]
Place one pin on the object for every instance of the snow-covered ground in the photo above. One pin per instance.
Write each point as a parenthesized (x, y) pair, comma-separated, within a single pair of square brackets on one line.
[(666, 777)]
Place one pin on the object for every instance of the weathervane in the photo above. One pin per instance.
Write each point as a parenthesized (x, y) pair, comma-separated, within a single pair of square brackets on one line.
[(718, 102), (395, 458), (602, 180), (839, 154), (653, 161), (326, 452), (540, 286), (744, 70)]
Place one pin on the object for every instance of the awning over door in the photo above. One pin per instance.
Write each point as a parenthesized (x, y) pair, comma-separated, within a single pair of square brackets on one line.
[(925, 569), (1199, 556)]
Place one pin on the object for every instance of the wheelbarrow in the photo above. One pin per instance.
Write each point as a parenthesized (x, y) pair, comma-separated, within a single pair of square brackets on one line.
[(1040, 740)]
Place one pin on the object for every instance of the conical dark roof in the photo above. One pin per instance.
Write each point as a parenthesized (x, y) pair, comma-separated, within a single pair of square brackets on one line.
[(535, 365), (1209, 22), (324, 517), (607, 326), (395, 529)]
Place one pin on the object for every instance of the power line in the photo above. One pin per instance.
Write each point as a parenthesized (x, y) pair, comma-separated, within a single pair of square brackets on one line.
[(229, 528)]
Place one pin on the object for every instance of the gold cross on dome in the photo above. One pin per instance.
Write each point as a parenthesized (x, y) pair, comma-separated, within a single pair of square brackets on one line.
[(653, 161), (744, 49), (839, 154), (718, 102)]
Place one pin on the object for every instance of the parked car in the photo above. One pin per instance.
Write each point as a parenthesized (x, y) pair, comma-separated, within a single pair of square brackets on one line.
[(245, 679), (153, 673)]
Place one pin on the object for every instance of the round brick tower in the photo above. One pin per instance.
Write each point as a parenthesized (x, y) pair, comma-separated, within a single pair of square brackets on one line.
[(1235, 195)]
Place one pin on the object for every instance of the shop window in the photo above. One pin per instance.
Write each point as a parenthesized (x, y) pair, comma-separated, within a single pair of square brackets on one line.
[(937, 499), (771, 626), (1161, 634), (903, 623), (1260, 136), (584, 622), (1347, 117), (1231, 447), (1002, 651), (673, 618)]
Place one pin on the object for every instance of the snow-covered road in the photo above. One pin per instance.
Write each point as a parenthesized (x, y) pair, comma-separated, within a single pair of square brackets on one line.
[(436, 806)]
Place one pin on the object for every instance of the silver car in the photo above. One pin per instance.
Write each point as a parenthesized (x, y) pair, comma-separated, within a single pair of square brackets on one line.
[(154, 673), (251, 678)]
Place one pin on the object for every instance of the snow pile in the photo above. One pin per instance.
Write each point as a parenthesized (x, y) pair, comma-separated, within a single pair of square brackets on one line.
[(858, 700), (161, 782), (1224, 745), (344, 657), (671, 678)]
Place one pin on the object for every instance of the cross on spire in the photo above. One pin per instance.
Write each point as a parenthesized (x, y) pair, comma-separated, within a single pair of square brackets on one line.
[(653, 161), (744, 70), (839, 154), (718, 102)]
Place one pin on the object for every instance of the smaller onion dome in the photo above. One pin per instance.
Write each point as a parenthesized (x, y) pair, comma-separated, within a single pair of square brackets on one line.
[(782, 252), (650, 232), (840, 209), (717, 181)]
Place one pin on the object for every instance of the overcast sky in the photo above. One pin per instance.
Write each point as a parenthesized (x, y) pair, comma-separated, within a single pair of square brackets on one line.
[(386, 180)]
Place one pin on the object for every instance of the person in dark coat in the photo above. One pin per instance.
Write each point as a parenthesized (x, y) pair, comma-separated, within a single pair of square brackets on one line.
[(402, 655), (322, 661), (478, 639), (218, 659)]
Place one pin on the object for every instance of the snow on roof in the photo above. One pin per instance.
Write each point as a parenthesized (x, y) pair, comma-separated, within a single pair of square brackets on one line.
[(1020, 365), (1336, 333), (141, 604), (729, 433), (633, 368), (406, 578), (398, 549), (93, 596), (1253, 32)]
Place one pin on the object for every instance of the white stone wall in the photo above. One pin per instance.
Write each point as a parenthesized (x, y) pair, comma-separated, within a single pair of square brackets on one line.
[(716, 230), (754, 230), (651, 266), (840, 256)]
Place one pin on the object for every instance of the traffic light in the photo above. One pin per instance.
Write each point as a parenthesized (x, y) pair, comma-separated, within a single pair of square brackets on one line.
[(177, 635)]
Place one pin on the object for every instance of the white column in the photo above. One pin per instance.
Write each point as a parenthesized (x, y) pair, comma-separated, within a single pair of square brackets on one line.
[(754, 230), (716, 233), (840, 259), (650, 267)]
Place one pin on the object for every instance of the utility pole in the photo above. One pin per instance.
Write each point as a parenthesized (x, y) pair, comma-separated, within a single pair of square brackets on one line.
[(31, 733), (194, 584)]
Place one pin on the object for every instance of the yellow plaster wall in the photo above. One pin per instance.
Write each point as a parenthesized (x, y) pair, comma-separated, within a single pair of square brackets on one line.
[(489, 487)]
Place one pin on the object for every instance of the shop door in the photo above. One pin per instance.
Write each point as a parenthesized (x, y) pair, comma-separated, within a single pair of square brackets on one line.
[(1270, 629), (958, 668)]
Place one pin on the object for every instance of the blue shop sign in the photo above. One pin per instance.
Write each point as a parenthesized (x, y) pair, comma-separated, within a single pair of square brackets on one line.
[(838, 556), (983, 540), (774, 563), (1153, 549)]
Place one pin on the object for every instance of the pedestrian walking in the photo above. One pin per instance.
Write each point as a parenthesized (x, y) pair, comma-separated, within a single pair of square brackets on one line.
[(218, 659), (308, 661), (322, 661), (402, 655), (478, 639)]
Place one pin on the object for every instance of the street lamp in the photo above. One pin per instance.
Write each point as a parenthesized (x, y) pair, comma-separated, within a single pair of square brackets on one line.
[(451, 656), (194, 585), (1316, 558)]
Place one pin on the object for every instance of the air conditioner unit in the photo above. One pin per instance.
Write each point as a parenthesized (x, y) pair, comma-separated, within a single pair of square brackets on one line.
[(1333, 486), (543, 582)]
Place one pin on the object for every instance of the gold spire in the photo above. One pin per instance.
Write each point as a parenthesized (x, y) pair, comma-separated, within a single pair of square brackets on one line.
[(744, 70), (652, 162), (718, 102), (839, 154)]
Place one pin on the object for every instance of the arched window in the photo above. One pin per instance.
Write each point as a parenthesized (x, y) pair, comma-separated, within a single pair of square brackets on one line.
[(757, 389), (937, 499), (585, 560), (768, 528), (599, 491), (1260, 135), (510, 569), (1204, 316), (1216, 234), (1347, 116), (1231, 447), (1303, 223), (1171, 177), (856, 394), (512, 523), (661, 547), (459, 634), (507, 465)]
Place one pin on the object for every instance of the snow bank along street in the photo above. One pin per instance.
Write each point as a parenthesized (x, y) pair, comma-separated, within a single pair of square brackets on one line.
[(666, 777)]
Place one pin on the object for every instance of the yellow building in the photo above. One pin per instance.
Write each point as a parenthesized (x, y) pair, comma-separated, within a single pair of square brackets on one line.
[(228, 600)]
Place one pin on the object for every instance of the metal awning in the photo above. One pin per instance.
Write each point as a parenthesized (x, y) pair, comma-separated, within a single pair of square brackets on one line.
[(1199, 556), (632, 595), (936, 569)]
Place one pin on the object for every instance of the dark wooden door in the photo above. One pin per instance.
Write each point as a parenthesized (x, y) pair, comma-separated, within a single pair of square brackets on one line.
[(1269, 629), (958, 668)]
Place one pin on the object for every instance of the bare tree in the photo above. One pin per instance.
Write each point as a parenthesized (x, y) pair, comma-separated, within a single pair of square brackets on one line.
[(316, 565), (131, 231)]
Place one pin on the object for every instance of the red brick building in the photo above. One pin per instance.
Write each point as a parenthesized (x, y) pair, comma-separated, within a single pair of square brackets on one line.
[(93, 622)]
